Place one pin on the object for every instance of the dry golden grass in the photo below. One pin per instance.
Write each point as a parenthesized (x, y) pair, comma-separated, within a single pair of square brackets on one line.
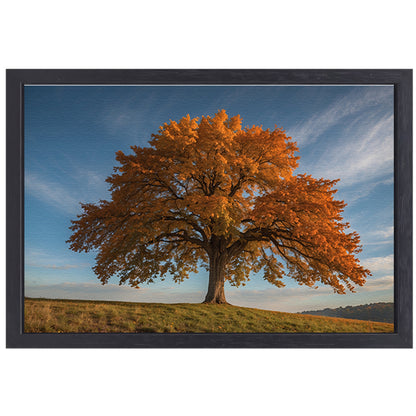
[(71, 316)]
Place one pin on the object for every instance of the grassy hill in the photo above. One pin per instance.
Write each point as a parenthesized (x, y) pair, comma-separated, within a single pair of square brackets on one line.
[(58, 315), (380, 312)]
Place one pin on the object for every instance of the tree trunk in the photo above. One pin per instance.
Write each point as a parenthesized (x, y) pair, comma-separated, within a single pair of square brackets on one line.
[(215, 292)]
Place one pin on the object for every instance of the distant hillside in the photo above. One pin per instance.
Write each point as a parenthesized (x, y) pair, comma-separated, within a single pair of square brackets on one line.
[(377, 312)]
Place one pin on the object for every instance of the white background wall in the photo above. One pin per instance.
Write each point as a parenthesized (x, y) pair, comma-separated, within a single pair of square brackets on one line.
[(211, 34)]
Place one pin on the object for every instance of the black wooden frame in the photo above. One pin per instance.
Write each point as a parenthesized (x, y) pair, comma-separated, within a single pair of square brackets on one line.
[(402, 81)]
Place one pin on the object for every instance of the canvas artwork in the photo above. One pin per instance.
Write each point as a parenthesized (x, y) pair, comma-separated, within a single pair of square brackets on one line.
[(208, 208)]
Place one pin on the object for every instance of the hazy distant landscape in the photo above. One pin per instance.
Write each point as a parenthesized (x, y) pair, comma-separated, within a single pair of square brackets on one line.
[(380, 312)]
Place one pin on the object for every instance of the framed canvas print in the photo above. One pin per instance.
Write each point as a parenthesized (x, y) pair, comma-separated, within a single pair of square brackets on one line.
[(209, 208)]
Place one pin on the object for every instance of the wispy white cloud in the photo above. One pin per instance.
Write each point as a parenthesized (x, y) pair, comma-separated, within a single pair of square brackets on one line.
[(376, 264), (58, 266), (42, 259), (129, 120), (377, 243), (381, 236), (384, 233), (51, 193), (356, 139), (92, 179), (90, 184), (125, 121), (309, 130), (381, 283), (366, 157), (54, 266), (81, 185)]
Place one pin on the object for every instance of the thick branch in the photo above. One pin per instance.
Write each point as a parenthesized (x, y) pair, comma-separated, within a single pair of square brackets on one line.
[(179, 235), (188, 221), (237, 186)]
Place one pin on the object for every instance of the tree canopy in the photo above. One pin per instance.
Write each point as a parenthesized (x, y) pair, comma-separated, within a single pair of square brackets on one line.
[(207, 192)]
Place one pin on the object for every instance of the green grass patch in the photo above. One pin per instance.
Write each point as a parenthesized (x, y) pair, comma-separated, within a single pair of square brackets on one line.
[(74, 316)]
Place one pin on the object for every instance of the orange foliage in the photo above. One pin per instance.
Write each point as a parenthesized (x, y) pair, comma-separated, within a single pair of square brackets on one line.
[(208, 189)]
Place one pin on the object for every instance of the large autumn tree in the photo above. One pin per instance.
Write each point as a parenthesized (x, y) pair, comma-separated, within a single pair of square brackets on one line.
[(210, 193)]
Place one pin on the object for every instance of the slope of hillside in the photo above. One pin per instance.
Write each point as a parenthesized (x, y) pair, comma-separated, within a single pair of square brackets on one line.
[(56, 315)]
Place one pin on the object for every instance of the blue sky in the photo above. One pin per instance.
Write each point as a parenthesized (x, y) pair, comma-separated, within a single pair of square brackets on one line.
[(73, 132)]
